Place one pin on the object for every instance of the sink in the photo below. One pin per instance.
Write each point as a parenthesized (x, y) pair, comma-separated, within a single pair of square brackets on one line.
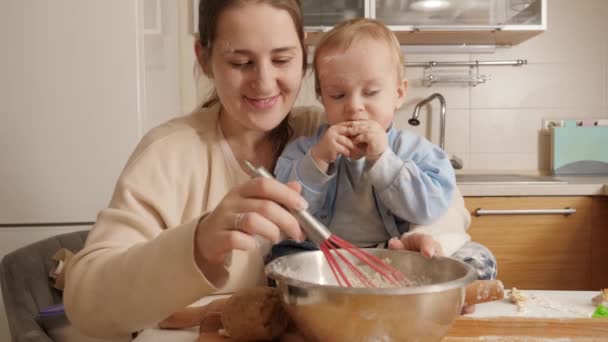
[(508, 179)]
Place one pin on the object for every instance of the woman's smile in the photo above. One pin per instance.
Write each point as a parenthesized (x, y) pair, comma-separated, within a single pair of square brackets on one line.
[(263, 102)]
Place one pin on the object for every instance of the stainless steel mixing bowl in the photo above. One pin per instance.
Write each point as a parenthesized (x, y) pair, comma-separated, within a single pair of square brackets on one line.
[(326, 312)]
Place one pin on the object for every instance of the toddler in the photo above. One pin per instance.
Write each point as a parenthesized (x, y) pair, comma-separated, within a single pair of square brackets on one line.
[(367, 181)]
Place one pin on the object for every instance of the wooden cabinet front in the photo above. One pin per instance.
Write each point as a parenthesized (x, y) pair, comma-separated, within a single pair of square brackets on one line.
[(537, 251), (599, 243)]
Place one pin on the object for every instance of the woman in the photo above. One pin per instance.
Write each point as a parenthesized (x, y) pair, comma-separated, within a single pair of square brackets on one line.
[(184, 215)]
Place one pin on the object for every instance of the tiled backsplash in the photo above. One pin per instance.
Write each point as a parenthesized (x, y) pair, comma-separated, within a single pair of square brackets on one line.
[(496, 126)]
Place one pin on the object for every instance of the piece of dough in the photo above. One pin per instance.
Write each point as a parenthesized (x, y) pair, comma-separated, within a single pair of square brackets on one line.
[(255, 314)]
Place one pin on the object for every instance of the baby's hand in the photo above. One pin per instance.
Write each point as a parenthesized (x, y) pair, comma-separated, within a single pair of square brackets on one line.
[(416, 242), (335, 141), (370, 138)]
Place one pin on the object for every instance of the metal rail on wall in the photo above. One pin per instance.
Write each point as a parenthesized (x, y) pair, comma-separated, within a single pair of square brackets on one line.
[(435, 74)]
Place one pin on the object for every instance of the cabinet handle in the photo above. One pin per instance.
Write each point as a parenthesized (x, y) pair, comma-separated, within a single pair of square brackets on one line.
[(486, 212)]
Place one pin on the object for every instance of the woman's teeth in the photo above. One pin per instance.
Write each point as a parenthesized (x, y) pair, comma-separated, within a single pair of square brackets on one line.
[(263, 103)]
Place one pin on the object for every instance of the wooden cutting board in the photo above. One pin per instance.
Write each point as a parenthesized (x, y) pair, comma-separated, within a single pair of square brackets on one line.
[(547, 315)]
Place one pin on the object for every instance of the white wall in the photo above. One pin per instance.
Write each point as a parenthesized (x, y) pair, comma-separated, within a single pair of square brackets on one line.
[(496, 126)]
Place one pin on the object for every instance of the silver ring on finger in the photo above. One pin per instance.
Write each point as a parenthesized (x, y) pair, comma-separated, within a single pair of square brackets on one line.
[(238, 220)]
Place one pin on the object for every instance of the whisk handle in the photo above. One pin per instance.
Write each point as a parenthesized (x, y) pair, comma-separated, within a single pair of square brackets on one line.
[(314, 229)]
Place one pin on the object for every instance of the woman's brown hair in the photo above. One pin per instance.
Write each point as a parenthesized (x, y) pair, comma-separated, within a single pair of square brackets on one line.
[(208, 13)]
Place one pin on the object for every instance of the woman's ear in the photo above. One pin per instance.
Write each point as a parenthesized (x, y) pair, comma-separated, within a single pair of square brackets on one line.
[(401, 93), (202, 58)]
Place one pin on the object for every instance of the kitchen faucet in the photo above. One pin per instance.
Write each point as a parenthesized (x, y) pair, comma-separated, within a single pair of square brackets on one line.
[(455, 161)]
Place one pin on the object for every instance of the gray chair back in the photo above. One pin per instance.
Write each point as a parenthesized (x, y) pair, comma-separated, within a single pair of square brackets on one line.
[(26, 286)]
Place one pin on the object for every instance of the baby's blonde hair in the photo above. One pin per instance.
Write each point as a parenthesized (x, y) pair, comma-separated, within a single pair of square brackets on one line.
[(349, 31)]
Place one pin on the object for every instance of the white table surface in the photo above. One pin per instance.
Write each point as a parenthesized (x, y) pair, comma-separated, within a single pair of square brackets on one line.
[(540, 304)]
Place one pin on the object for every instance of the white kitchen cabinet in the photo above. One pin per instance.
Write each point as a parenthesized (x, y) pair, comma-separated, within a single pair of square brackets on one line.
[(322, 14), (82, 81), (72, 100), (470, 22)]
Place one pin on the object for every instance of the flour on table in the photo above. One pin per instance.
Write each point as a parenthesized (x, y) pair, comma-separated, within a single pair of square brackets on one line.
[(541, 304)]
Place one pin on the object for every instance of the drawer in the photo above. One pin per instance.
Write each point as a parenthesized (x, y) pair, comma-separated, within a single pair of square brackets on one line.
[(534, 247)]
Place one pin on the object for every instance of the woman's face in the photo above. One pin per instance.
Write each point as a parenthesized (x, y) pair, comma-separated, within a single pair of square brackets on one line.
[(256, 64)]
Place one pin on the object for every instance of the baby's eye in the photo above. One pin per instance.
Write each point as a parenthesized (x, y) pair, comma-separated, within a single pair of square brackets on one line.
[(371, 92), (336, 96)]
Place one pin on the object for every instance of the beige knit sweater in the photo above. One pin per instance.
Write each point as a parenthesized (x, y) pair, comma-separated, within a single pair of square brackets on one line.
[(137, 266)]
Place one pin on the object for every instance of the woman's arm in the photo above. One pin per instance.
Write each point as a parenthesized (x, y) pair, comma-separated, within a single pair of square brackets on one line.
[(142, 260), (138, 262)]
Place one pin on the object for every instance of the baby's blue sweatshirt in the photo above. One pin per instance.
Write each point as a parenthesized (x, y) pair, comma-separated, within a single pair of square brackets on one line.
[(412, 182)]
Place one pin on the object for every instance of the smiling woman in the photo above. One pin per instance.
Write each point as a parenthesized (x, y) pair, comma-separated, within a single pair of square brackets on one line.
[(185, 219), (261, 69)]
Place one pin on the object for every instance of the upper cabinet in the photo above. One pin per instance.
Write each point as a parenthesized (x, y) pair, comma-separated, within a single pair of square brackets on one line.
[(320, 15), (437, 22), (72, 106)]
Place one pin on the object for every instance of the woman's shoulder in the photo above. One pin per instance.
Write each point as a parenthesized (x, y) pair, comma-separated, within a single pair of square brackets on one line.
[(306, 120), (182, 132)]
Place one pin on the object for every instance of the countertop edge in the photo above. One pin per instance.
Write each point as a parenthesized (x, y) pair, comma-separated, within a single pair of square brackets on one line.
[(502, 189)]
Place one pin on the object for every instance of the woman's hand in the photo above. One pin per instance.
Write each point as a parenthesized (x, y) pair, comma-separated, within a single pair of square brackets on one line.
[(422, 243), (254, 208)]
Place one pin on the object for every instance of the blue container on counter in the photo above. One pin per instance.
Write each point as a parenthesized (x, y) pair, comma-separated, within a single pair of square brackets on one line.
[(579, 150)]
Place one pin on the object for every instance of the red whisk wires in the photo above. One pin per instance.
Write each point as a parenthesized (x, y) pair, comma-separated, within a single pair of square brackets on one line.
[(333, 248)]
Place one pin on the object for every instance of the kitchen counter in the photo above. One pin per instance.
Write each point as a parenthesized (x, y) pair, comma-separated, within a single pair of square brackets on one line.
[(551, 186)]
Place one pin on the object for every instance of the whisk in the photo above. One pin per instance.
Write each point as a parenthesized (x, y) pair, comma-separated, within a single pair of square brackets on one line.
[(332, 247)]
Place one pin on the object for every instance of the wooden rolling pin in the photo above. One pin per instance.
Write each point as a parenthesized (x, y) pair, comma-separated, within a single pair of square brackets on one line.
[(257, 313), (481, 291)]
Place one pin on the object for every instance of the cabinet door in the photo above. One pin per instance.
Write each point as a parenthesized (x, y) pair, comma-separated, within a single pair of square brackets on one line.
[(320, 14), (71, 103), (454, 13), (599, 243), (447, 22), (539, 251)]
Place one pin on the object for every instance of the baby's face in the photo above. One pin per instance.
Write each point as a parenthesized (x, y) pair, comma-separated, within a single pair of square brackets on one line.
[(360, 83)]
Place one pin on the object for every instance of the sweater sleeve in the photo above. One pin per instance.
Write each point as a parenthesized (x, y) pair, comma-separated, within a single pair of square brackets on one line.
[(414, 179), (296, 163), (450, 229), (138, 266)]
